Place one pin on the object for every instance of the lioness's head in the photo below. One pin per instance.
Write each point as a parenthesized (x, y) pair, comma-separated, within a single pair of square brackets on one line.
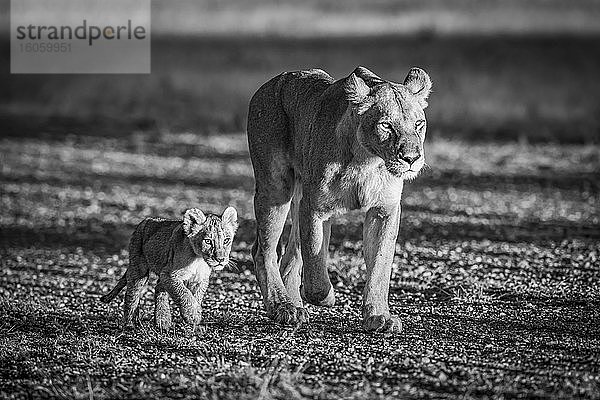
[(391, 118), (211, 235)]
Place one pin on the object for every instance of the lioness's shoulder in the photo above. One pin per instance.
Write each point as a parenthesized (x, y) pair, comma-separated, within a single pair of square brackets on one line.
[(306, 77), (314, 73), (297, 79)]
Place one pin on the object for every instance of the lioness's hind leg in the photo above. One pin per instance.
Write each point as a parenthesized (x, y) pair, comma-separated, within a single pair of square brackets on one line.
[(270, 220), (269, 142), (271, 206), (291, 263)]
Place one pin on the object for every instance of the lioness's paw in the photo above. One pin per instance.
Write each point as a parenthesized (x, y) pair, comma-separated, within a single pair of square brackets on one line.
[(287, 314), (382, 323)]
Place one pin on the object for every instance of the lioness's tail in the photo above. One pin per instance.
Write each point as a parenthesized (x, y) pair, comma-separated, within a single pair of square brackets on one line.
[(107, 298)]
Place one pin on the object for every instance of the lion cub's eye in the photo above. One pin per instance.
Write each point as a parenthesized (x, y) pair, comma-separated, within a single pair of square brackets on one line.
[(420, 124), (207, 242), (227, 240)]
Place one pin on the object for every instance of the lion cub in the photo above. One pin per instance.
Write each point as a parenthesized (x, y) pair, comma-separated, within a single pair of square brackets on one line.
[(183, 254)]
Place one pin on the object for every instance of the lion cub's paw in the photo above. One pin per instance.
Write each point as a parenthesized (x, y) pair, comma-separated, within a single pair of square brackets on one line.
[(194, 318), (130, 325), (302, 315), (382, 323), (287, 314), (163, 322)]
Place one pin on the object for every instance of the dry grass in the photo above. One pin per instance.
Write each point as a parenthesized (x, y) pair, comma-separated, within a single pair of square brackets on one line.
[(495, 277)]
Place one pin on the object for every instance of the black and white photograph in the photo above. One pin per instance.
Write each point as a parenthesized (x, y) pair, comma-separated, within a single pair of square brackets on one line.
[(320, 199)]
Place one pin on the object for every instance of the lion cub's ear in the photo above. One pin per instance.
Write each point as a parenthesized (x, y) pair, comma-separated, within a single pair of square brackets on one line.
[(356, 89), (230, 216), (192, 221), (419, 84)]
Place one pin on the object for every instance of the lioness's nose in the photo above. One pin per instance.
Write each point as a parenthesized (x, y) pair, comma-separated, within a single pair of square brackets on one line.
[(408, 152), (410, 156)]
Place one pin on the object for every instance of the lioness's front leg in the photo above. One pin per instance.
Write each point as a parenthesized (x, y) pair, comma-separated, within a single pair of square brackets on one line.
[(316, 286), (379, 240), (182, 297)]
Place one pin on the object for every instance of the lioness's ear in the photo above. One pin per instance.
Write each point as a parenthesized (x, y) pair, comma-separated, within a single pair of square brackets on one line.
[(356, 89), (192, 221), (229, 216), (419, 84), (370, 78)]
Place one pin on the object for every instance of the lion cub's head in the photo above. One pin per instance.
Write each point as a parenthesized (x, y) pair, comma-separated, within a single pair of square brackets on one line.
[(211, 235), (391, 118)]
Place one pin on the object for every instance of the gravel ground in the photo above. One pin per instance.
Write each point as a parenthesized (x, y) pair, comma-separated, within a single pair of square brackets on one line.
[(496, 276)]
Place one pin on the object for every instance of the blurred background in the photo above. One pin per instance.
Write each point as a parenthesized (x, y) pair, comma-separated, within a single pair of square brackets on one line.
[(502, 70)]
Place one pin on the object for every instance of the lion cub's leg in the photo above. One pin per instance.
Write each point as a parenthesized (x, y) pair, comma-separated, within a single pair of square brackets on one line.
[(182, 297), (379, 240), (198, 290), (137, 276), (162, 310)]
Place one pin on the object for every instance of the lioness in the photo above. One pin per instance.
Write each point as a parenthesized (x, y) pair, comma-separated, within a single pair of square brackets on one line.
[(183, 254), (326, 147)]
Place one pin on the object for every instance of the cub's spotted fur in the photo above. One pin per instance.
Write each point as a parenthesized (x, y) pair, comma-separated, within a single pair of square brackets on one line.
[(183, 254)]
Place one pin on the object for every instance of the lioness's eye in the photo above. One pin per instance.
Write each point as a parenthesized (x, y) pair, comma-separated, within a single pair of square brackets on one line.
[(227, 240), (420, 124), (386, 126), (207, 242)]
